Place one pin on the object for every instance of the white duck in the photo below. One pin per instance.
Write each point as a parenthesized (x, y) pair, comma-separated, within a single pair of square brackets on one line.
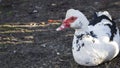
[(94, 42)]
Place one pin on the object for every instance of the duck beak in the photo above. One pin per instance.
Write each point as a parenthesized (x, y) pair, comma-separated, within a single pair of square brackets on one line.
[(62, 27)]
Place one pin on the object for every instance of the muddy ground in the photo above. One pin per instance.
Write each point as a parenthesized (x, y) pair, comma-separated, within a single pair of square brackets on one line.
[(27, 40)]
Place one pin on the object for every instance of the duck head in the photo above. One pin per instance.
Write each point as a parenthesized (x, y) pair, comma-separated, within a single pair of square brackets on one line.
[(74, 19)]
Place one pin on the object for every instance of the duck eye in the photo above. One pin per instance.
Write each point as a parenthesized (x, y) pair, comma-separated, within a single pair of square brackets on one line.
[(72, 18)]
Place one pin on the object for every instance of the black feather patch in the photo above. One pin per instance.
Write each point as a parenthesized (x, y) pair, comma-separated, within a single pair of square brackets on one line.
[(82, 44), (79, 48), (98, 19), (80, 36), (113, 30), (77, 41), (92, 34)]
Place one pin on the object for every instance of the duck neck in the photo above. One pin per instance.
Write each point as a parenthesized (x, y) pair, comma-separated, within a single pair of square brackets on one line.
[(80, 31)]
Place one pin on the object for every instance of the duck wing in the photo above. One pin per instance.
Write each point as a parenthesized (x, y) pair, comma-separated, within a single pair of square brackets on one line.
[(98, 19)]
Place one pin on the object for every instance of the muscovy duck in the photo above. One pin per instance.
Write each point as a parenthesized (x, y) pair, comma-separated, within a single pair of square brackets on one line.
[(94, 42)]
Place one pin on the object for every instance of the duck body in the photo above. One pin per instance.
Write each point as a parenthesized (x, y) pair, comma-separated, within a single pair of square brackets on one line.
[(95, 42), (96, 45)]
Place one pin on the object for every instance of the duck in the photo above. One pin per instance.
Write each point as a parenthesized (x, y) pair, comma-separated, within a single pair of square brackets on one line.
[(94, 42)]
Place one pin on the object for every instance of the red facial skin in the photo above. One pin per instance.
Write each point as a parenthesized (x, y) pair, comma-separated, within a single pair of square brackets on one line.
[(68, 21)]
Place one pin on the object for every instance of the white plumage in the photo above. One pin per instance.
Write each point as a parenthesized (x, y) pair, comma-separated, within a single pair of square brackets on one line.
[(94, 42)]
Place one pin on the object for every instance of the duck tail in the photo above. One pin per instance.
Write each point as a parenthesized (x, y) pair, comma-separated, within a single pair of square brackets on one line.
[(106, 13)]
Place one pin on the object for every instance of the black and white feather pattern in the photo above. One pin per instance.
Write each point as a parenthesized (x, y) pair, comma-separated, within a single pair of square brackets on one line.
[(98, 43)]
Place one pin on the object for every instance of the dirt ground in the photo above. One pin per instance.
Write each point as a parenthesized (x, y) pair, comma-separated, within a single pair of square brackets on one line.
[(27, 40)]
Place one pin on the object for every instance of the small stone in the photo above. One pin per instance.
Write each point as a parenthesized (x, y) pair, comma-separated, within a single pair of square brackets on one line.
[(58, 53), (44, 64), (43, 45), (35, 11), (14, 51), (53, 4)]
